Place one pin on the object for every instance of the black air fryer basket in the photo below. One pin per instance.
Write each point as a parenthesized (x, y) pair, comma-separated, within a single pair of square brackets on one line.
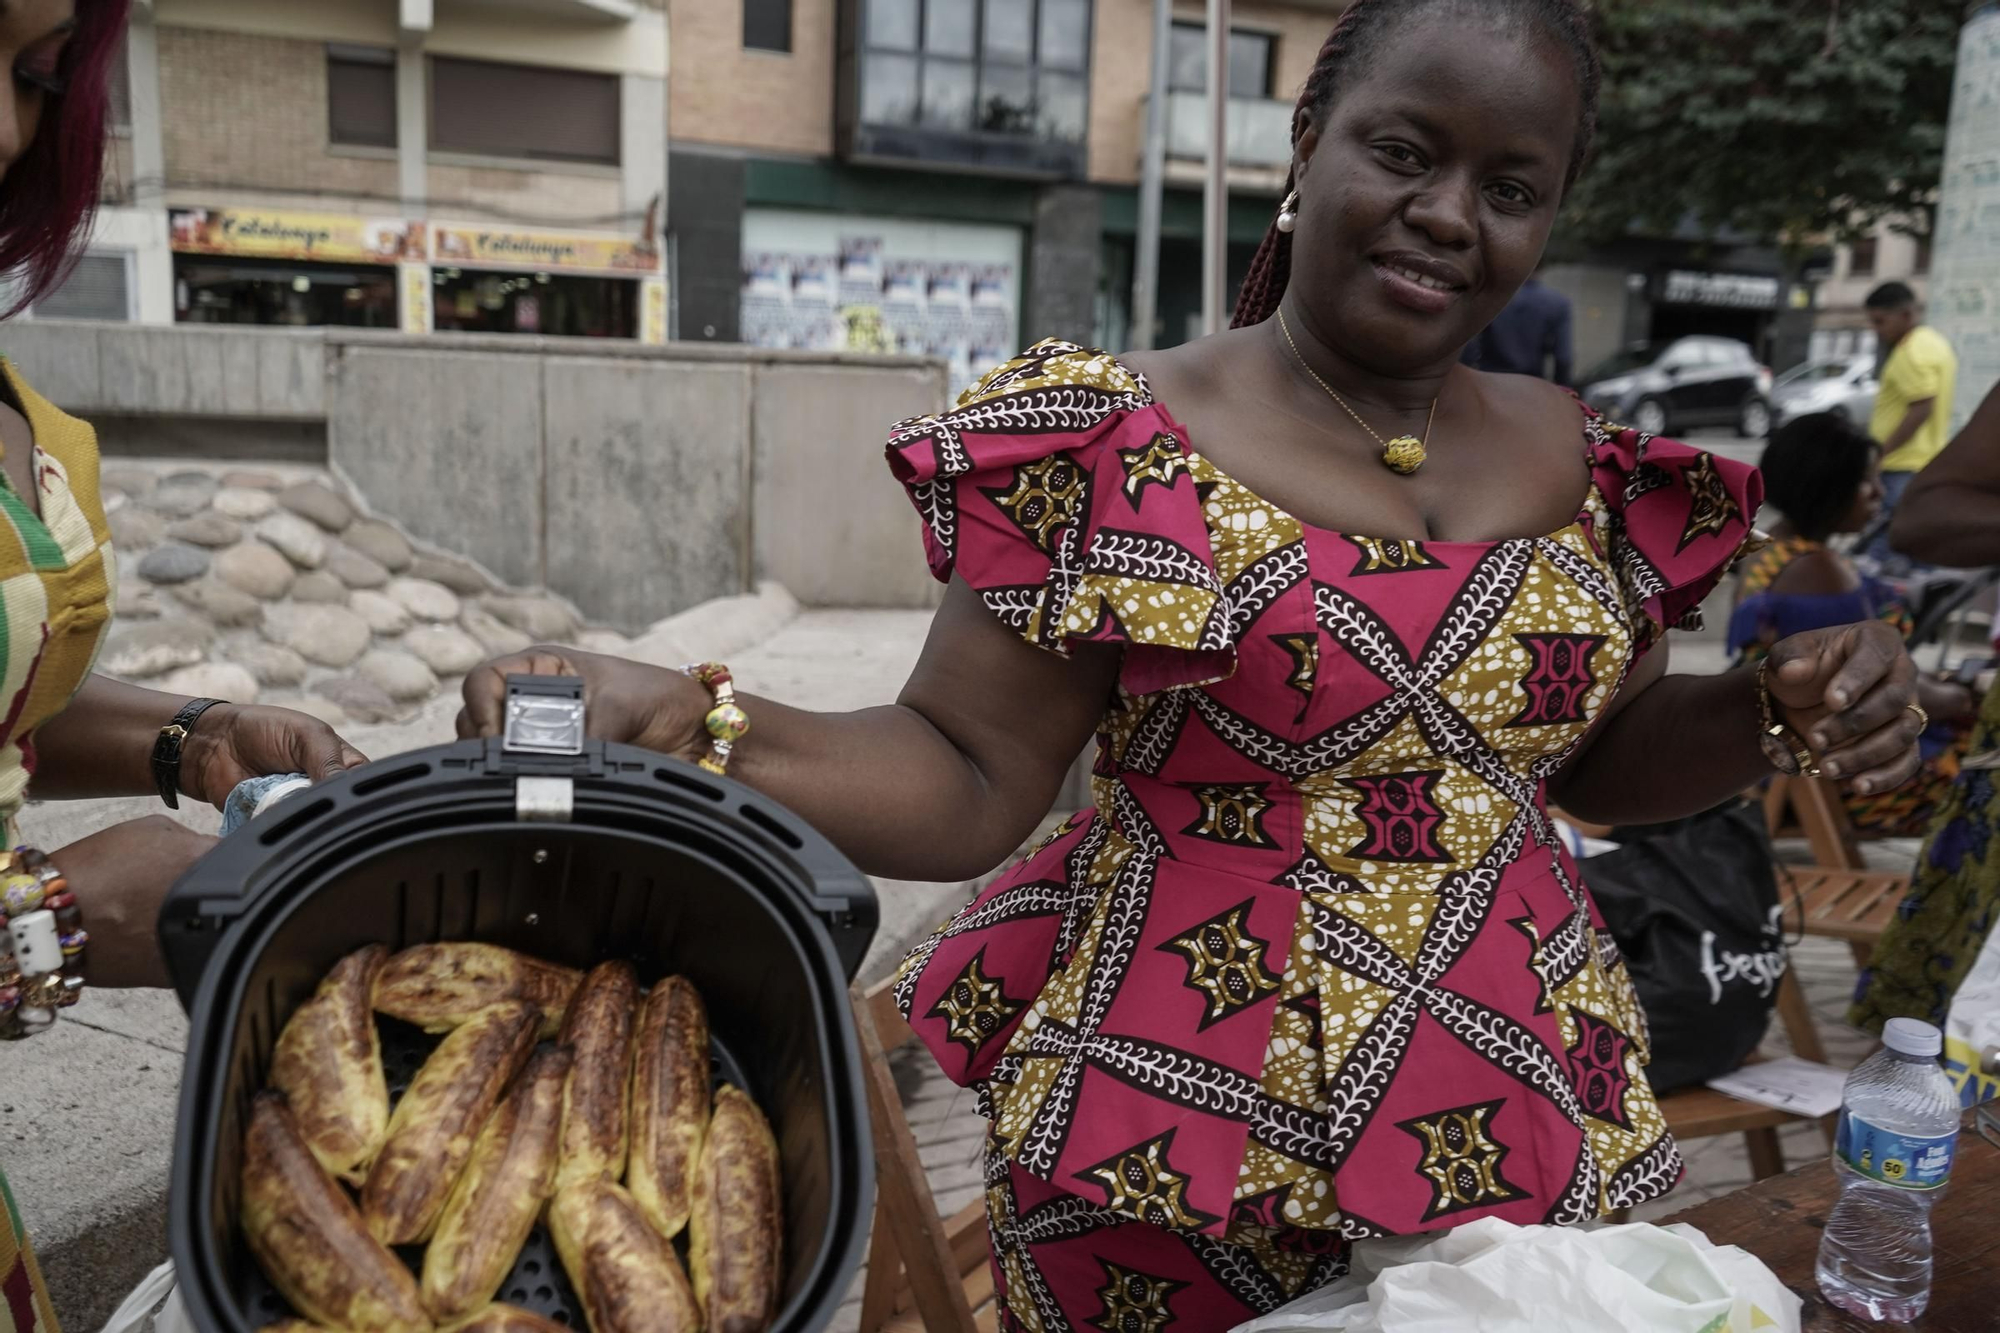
[(599, 852)]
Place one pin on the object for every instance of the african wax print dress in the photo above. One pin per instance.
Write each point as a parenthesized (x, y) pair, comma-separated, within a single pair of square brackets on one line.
[(1315, 966)]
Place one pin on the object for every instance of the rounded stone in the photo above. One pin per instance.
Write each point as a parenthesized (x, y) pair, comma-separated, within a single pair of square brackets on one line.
[(138, 601), (609, 643), (397, 674), (381, 543), (360, 700), (256, 569), (135, 482), (319, 503), (496, 638), (384, 614), (425, 600), (445, 649), (211, 530), (355, 569), (542, 619), (135, 529), (294, 538), (326, 710), (214, 680), (174, 562), (241, 502), (332, 636), (320, 589), (181, 499), (272, 664), (253, 481), (137, 652), (221, 602), (461, 576)]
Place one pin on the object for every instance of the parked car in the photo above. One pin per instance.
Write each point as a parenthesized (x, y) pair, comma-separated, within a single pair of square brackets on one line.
[(1844, 386), (1661, 388)]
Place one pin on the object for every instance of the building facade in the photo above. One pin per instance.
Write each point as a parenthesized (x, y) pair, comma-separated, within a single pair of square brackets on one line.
[(1858, 268), (403, 164)]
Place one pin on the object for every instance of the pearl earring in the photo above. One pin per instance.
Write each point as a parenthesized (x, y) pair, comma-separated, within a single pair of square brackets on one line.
[(1288, 213)]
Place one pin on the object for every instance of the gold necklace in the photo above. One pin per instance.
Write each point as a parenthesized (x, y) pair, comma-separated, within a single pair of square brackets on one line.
[(1404, 454)]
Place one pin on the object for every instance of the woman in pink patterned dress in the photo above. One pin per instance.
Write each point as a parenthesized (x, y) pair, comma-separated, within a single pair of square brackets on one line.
[(1315, 966)]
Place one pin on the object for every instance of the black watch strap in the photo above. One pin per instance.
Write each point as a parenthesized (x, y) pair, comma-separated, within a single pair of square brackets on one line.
[(167, 750)]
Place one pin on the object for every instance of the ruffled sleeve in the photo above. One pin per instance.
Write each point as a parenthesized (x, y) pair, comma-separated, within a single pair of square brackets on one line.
[(1060, 492), (1674, 521)]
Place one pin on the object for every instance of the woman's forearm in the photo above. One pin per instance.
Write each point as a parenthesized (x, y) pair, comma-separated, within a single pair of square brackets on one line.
[(102, 744), (1684, 745), (1954, 526)]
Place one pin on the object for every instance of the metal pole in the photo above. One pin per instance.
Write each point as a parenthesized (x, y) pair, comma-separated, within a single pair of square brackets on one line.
[(1152, 173), (1215, 192)]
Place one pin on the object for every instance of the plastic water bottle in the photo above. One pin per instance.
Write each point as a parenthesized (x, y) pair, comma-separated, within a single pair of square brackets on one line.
[(1898, 1127)]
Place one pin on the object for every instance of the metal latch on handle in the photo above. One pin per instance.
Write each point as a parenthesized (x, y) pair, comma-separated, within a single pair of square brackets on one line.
[(544, 716)]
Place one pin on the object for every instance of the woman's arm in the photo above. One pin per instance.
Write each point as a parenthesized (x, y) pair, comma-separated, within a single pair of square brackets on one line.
[(102, 745), (1673, 746), (942, 785), (1950, 515)]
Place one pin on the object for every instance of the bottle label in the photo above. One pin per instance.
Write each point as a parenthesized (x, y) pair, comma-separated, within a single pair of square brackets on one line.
[(1909, 1161)]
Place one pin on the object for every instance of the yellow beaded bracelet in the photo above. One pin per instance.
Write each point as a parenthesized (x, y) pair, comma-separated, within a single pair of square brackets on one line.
[(726, 723)]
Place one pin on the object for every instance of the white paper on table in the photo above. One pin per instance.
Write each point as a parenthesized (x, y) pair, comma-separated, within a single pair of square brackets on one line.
[(1803, 1087)]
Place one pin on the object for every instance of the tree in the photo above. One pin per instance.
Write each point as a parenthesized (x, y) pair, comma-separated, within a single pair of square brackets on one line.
[(1798, 122)]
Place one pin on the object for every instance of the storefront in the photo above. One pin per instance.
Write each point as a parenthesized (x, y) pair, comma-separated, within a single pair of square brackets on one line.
[(1735, 305), (263, 266), (562, 284)]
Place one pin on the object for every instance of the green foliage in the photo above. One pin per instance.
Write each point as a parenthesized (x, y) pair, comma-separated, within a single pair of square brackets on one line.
[(1792, 121)]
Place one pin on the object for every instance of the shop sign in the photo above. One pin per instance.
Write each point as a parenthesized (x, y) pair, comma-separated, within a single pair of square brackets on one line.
[(653, 311), (1731, 291), (542, 251), (262, 233)]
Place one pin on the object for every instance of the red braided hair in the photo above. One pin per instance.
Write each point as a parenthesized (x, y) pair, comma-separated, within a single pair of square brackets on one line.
[(1363, 24)]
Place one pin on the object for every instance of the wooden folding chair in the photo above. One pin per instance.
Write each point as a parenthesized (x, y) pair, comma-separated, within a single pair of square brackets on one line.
[(1838, 896), (925, 1272)]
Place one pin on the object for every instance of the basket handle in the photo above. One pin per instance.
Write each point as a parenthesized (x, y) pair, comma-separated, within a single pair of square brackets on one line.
[(544, 716)]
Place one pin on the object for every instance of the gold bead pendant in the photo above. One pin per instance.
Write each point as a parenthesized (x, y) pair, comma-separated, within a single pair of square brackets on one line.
[(1404, 454)]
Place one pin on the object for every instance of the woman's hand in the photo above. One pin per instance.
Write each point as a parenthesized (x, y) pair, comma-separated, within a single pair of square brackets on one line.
[(624, 701), (120, 877), (1849, 691), (231, 744)]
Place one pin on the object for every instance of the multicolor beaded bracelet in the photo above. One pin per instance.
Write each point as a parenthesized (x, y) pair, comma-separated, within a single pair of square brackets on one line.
[(726, 723), (41, 943)]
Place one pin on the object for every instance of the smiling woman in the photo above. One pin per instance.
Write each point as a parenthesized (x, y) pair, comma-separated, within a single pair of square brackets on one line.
[(1315, 966)]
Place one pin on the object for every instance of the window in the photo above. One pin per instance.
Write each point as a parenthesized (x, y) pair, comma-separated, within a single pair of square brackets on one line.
[(1861, 258), (97, 288), (361, 96), (1251, 55), (767, 25), (528, 111), (1005, 67), (1921, 264)]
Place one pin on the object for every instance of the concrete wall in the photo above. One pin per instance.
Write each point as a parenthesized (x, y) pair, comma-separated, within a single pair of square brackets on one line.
[(635, 481)]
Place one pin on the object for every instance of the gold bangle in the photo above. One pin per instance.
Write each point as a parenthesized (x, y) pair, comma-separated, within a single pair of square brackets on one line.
[(726, 723)]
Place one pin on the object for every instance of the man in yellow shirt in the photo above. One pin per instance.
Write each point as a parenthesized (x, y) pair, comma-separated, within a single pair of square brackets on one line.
[(1913, 406)]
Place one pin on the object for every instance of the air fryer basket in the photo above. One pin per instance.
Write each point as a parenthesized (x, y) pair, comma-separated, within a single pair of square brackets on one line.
[(652, 861)]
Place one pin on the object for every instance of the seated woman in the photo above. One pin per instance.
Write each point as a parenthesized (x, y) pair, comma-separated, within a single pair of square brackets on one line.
[(1822, 474)]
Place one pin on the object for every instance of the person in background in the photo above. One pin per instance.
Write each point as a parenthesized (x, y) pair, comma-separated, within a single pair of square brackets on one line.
[(1821, 474), (1949, 516), (65, 732), (1914, 403), (1531, 336)]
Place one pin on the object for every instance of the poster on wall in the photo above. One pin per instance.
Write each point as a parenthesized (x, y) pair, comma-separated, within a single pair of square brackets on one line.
[(819, 283)]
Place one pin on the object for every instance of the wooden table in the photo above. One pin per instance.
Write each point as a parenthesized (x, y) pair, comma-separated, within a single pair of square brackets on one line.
[(1779, 1220)]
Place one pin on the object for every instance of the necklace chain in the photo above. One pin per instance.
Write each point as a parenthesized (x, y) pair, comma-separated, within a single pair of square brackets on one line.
[(1424, 444)]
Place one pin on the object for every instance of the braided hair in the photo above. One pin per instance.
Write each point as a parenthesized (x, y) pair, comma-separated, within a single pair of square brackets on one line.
[(1360, 29)]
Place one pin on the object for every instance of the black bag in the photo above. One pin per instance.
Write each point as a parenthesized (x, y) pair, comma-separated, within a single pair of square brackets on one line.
[(1694, 908)]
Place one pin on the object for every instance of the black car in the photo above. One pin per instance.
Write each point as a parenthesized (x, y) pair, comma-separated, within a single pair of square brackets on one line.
[(1662, 388)]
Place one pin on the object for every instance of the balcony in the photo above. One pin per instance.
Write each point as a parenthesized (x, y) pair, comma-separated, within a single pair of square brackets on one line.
[(1260, 132)]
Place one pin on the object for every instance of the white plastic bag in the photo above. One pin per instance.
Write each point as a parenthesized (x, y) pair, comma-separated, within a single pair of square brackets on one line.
[(158, 1286), (1972, 1027), (1494, 1277)]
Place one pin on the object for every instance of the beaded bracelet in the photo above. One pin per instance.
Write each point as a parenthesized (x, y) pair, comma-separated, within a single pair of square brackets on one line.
[(726, 722), (41, 943)]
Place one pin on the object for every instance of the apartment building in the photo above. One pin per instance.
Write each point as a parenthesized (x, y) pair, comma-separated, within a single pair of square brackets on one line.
[(1858, 268), (954, 177), (488, 166)]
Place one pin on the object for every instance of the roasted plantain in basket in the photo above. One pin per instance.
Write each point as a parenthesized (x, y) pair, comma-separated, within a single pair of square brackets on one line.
[(598, 1029), (310, 1242), (432, 1131), (736, 1229), (623, 1270), (328, 1063), (510, 1174), (670, 1094), (439, 986), (498, 1318)]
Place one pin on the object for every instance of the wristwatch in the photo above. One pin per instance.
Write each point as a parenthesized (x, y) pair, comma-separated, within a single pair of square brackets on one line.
[(1784, 747), (167, 750)]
